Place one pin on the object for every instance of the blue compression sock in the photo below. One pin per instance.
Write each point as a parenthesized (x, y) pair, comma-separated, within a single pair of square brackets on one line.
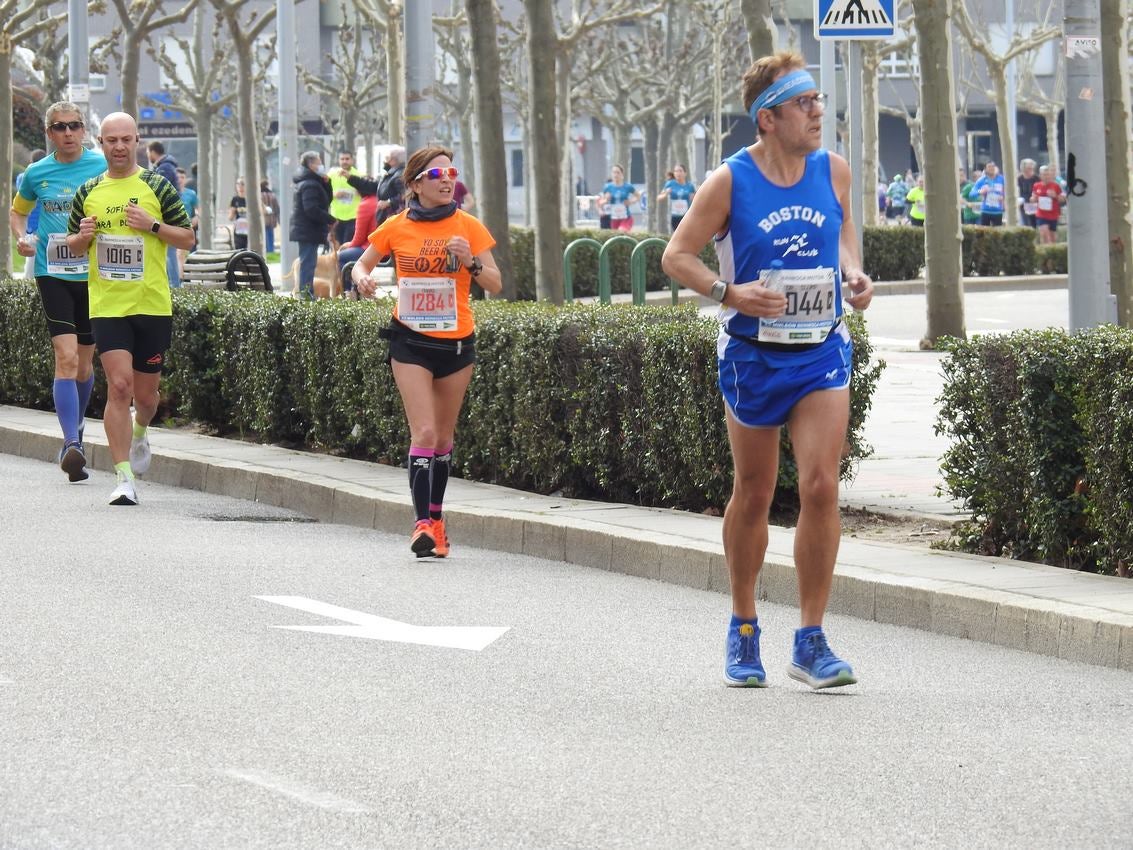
[(66, 393), (85, 389)]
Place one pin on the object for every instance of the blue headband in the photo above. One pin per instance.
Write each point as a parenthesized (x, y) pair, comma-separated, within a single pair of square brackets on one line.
[(782, 90)]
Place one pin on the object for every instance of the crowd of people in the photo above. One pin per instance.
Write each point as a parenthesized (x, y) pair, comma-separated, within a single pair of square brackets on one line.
[(105, 247)]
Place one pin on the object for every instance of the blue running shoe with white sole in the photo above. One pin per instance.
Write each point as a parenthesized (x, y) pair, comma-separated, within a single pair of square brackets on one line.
[(814, 662), (742, 667)]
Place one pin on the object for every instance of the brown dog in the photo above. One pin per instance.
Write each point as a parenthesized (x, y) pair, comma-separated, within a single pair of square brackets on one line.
[(328, 281)]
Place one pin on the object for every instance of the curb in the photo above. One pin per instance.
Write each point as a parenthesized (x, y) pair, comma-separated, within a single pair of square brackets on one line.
[(1031, 607)]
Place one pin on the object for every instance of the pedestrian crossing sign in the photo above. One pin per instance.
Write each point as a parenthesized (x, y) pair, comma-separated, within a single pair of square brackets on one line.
[(853, 19)]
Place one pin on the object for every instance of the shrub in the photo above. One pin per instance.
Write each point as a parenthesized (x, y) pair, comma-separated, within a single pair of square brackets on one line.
[(893, 253), (991, 251), (616, 402), (1051, 259)]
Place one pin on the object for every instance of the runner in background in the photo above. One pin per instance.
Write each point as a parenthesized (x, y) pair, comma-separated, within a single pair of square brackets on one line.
[(679, 190)]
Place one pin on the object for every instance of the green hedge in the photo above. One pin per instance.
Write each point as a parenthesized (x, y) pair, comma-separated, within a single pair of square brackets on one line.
[(616, 403), (897, 253), (1041, 425)]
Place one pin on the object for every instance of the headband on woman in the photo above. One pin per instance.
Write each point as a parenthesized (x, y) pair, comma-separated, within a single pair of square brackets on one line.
[(782, 90)]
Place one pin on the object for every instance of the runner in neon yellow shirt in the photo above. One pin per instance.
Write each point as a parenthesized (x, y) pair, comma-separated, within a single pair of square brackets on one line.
[(123, 220)]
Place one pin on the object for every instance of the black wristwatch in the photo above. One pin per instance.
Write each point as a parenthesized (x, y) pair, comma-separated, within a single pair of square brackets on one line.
[(476, 267), (155, 227)]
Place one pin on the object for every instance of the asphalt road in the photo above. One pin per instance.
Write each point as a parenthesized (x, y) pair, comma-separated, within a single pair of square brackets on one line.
[(148, 699)]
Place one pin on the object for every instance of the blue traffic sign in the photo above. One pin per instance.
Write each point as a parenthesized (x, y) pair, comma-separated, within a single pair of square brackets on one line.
[(845, 19)]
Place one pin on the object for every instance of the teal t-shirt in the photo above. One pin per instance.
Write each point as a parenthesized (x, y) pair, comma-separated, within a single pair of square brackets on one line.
[(191, 201), (53, 185)]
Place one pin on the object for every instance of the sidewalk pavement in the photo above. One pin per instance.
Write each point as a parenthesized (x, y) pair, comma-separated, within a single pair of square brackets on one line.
[(1078, 616)]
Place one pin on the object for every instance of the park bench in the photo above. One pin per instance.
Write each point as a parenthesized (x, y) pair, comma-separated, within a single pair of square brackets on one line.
[(231, 270)]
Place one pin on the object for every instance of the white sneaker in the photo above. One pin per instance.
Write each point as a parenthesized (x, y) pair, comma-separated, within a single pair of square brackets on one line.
[(125, 493), (140, 454)]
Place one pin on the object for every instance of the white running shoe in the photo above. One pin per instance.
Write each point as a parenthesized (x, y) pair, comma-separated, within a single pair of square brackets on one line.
[(125, 493), (140, 454)]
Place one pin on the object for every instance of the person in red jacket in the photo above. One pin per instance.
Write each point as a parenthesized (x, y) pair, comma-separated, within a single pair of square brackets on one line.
[(365, 223), (1048, 197)]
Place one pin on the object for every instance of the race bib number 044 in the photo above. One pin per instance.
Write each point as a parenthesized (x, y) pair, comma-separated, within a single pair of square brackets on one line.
[(120, 257), (427, 303), (811, 309)]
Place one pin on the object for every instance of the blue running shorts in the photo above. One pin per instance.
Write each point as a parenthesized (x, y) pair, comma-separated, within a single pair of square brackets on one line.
[(762, 396)]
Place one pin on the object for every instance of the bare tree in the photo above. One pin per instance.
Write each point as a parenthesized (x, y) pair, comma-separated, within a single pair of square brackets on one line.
[(243, 34), (137, 20), (455, 98), (943, 240), (541, 55), (997, 63), (483, 33), (202, 88), (19, 21), (1119, 163), (1032, 98), (387, 18), (352, 89), (47, 64), (762, 36)]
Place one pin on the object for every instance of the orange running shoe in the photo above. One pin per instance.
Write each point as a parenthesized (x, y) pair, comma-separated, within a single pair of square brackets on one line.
[(423, 542), (441, 537)]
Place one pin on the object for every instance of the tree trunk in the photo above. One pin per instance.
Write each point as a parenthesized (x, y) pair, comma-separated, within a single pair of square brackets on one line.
[(1115, 72), (623, 148), (652, 183), (528, 172), (247, 122), (492, 193), (760, 23), (664, 163), (1054, 154), (205, 192), (395, 79), (349, 130), (545, 149), (6, 150), (869, 177), (1006, 147), (468, 152), (943, 239), (131, 54), (566, 144)]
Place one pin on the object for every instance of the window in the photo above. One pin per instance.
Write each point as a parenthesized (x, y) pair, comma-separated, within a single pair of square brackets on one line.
[(516, 167)]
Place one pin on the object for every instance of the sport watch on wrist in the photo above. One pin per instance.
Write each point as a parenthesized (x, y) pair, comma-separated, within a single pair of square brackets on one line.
[(476, 267), (718, 291), (155, 227)]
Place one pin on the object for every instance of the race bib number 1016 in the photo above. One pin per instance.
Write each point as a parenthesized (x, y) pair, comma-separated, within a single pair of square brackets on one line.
[(120, 257)]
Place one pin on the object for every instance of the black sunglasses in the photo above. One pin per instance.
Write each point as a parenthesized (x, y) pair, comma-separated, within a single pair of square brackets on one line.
[(60, 126)]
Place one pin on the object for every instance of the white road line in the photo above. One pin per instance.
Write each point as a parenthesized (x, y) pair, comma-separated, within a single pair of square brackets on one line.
[(4, 681), (296, 791)]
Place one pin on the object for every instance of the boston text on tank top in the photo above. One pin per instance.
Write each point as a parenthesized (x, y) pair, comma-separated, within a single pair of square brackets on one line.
[(787, 237)]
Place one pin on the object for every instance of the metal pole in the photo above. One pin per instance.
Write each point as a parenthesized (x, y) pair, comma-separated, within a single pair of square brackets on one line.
[(854, 113), (288, 127), (78, 74), (1012, 115), (829, 82), (1091, 303), (420, 112)]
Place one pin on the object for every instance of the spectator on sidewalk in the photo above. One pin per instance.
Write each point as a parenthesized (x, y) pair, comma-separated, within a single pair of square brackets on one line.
[(270, 205), (310, 217), (166, 166), (365, 224), (344, 198), (391, 188), (192, 209), (238, 215)]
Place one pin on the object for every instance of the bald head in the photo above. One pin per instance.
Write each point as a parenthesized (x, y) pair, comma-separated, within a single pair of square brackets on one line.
[(118, 136)]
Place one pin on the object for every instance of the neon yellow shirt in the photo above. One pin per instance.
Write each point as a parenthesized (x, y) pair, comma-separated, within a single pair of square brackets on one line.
[(344, 197), (127, 266)]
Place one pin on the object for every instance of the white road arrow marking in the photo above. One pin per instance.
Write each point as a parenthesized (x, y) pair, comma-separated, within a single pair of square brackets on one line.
[(474, 638)]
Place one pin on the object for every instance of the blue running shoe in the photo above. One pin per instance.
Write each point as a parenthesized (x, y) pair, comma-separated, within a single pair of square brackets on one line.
[(742, 667), (815, 663)]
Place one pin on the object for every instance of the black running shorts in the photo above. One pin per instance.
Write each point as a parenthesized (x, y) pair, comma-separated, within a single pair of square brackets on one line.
[(442, 357), (145, 337), (66, 307)]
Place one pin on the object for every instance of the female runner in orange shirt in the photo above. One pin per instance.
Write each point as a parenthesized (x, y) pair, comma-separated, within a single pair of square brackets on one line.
[(438, 251)]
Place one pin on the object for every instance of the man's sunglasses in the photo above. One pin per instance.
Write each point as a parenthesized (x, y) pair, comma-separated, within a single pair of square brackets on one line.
[(60, 126), (437, 173)]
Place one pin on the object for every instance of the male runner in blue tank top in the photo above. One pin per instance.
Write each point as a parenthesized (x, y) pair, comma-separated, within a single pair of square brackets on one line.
[(779, 213)]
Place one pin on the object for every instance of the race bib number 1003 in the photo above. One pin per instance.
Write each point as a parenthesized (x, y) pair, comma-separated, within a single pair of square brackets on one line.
[(427, 303), (60, 260), (120, 257)]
